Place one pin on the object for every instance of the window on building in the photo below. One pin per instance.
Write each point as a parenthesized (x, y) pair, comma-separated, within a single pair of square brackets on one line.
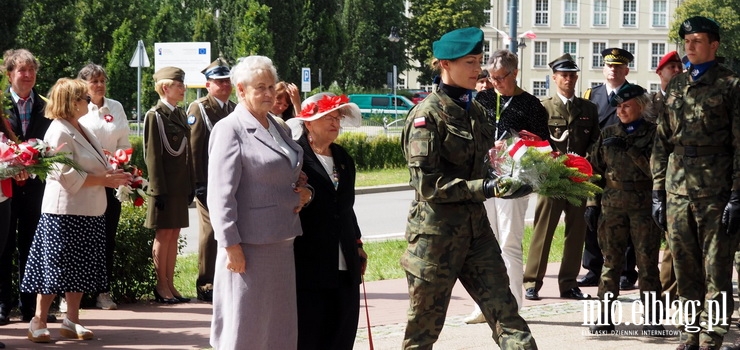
[(570, 47), (629, 13), (631, 47), (487, 13), (657, 50), (542, 12), (660, 13), (597, 61), (595, 84), (540, 53), (600, 13), (570, 18), (654, 87), (539, 88), (507, 20), (486, 51)]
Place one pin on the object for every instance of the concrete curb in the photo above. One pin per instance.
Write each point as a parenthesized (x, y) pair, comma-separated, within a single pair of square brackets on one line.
[(382, 188)]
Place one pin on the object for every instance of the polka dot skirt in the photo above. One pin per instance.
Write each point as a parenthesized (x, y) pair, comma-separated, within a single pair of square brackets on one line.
[(67, 255)]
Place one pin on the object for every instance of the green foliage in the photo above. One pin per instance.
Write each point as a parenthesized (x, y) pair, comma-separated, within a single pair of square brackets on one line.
[(320, 41), (431, 18), (253, 37), (10, 16), (133, 268), (137, 157), (551, 177), (379, 152), (283, 26), (722, 11), (206, 30)]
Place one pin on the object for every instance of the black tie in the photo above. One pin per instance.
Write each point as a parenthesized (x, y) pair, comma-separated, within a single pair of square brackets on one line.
[(568, 106), (611, 96)]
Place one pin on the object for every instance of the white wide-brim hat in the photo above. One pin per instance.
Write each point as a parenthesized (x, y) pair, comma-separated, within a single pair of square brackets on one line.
[(324, 103)]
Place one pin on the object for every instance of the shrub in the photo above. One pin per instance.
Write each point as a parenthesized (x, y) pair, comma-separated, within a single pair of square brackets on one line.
[(133, 269), (137, 158), (379, 152)]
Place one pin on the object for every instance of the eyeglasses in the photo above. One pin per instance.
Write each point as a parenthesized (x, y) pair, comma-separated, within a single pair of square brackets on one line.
[(86, 98), (337, 118), (498, 79)]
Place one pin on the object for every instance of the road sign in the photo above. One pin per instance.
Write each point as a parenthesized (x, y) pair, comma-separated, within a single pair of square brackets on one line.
[(191, 57), (305, 79), (140, 58)]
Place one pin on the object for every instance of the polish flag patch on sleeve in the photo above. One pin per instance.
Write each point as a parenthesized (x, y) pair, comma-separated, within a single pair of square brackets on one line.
[(419, 122)]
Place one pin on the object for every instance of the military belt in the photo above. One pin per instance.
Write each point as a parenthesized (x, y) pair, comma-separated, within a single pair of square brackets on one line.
[(698, 151), (630, 185)]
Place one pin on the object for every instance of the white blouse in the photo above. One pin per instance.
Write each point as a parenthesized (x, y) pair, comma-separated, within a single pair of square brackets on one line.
[(109, 125)]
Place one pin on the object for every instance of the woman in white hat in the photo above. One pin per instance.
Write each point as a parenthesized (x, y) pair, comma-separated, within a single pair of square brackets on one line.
[(328, 256)]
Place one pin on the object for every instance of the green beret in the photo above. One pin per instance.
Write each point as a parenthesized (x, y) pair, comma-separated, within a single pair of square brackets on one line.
[(458, 43), (616, 55), (564, 63), (626, 92), (172, 73), (698, 24)]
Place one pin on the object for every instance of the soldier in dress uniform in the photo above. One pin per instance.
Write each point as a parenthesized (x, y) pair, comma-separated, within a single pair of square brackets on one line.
[(622, 157), (615, 71), (574, 128), (445, 139), (696, 182), (169, 162), (203, 113)]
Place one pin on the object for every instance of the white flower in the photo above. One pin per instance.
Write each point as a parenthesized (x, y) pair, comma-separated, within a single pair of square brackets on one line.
[(123, 193)]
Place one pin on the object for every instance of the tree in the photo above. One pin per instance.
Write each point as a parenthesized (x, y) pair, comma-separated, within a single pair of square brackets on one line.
[(121, 77), (283, 27), (10, 16), (432, 18), (253, 37), (320, 41), (206, 29), (722, 11), (369, 54)]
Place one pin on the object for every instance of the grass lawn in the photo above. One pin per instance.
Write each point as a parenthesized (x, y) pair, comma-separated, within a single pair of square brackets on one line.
[(383, 260), (382, 177)]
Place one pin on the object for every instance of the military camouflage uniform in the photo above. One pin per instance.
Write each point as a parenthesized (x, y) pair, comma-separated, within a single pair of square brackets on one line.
[(696, 160), (449, 236), (656, 107), (582, 124), (625, 209)]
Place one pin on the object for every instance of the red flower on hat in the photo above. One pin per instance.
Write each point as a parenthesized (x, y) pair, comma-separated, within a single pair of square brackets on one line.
[(324, 104)]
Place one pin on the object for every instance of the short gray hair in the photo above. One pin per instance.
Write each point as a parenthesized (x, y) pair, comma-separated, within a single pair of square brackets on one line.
[(250, 67), (503, 59)]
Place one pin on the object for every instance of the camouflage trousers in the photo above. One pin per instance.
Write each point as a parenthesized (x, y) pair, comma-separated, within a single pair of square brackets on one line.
[(616, 227), (433, 264), (702, 258)]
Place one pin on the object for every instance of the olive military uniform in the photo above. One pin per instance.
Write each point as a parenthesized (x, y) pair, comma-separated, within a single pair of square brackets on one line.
[(581, 121), (170, 165), (696, 161), (449, 236)]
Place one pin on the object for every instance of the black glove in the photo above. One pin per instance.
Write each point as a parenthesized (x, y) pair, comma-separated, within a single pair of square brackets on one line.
[(731, 215), (616, 142), (492, 188), (591, 215), (159, 202), (658, 210), (201, 191)]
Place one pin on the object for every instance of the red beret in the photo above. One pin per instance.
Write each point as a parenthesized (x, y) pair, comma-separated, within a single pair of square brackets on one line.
[(668, 58)]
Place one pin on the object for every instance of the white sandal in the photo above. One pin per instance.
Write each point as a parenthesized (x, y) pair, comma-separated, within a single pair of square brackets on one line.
[(38, 336), (75, 331)]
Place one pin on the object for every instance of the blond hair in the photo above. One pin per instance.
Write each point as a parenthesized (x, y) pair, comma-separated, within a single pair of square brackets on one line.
[(63, 96), (160, 84)]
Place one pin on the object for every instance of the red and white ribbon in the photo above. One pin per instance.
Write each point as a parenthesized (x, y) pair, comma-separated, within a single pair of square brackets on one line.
[(518, 148)]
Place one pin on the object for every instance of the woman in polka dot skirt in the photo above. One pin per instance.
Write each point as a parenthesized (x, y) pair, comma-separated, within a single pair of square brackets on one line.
[(67, 254)]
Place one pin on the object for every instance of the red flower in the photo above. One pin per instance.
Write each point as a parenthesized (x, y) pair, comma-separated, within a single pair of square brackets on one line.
[(580, 163), (324, 104), (108, 118), (138, 201)]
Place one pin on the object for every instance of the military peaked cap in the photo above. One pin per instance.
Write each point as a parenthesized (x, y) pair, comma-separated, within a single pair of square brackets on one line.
[(626, 92), (172, 73), (218, 69), (458, 43), (616, 55), (564, 63)]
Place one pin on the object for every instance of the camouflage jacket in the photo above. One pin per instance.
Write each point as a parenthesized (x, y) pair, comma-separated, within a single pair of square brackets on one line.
[(445, 147), (582, 124), (657, 106), (625, 171), (703, 115)]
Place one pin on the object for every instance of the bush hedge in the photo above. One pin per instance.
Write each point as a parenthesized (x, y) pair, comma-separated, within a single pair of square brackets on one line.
[(133, 268), (378, 152)]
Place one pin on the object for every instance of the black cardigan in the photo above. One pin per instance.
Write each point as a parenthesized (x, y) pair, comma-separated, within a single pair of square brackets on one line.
[(327, 221)]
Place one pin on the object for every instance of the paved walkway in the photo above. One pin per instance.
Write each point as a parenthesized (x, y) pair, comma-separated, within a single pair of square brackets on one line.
[(555, 323)]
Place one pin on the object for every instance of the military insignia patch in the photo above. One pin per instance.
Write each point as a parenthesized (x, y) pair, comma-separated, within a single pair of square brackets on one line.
[(687, 26), (615, 52), (191, 119), (420, 122)]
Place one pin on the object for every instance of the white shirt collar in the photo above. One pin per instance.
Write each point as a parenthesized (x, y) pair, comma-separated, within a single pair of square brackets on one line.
[(171, 107), (565, 99)]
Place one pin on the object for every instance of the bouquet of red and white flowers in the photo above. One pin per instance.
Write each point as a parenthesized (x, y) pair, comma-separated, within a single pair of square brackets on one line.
[(530, 160), (136, 191), (34, 156)]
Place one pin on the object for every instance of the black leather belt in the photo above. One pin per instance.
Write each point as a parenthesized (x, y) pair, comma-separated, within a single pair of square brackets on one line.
[(698, 151), (630, 185)]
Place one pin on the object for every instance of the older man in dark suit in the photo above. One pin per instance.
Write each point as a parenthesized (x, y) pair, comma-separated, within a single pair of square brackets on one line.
[(26, 116)]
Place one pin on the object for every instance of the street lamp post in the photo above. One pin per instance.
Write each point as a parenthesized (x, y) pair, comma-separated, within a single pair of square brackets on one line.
[(394, 38), (521, 46)]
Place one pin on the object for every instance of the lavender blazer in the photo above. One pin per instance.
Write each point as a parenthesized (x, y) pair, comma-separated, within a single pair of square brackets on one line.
[(250, 182)]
